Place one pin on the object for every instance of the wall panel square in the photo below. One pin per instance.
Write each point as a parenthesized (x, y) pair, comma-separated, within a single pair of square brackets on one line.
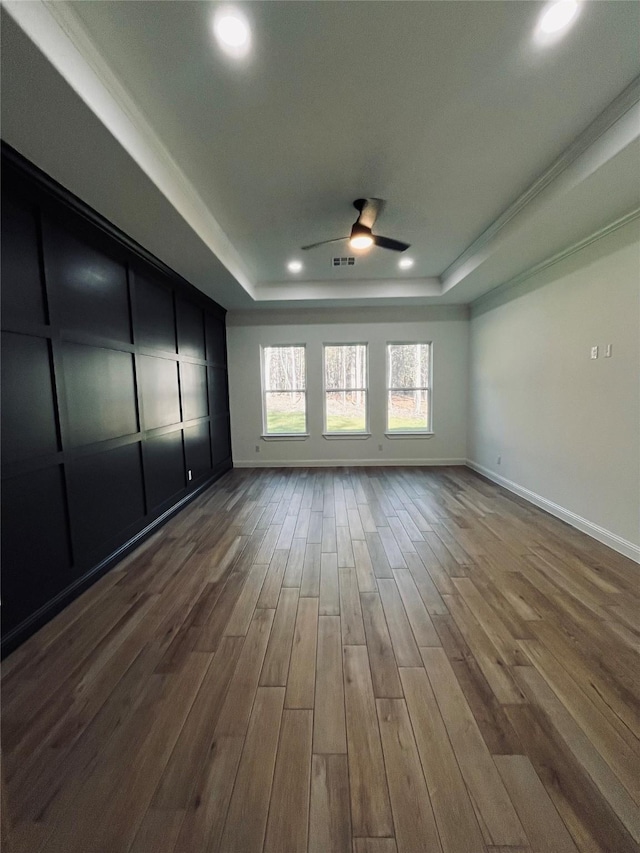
[(190, 329), (164, 470), (89, 288), (36, 559), (106, 497), (193, 380), (216, 340), (28, 409), (197, 449), (218, 390), (220, 439), (100, 391), (160, 391), (156, 323), (22, 293)]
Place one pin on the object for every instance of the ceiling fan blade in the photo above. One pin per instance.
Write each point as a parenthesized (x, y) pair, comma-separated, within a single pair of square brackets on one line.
[(370, 209), (388, 243), (324, 242)]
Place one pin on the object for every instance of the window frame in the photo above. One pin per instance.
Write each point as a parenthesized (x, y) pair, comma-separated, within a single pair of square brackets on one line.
[(274, 436), (345, 433), (428, 430)]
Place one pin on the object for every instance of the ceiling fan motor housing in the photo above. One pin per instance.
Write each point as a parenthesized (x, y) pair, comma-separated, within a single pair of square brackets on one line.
[(360, 230)]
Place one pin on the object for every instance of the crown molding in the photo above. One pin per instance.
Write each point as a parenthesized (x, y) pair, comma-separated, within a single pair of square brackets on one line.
[(348, 289), (554, 259), (623, 111), (304, 316)]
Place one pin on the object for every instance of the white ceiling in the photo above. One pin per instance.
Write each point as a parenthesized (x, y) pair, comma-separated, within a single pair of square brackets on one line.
[(449, 111)]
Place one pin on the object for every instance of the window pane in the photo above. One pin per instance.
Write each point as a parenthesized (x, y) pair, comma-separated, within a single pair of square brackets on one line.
[(346, 411), (408, 410), (345, 366), (284, 368), (286, 412), (408, 365)]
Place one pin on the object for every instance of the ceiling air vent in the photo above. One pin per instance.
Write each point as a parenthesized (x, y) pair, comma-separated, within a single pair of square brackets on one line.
[(344, 262)]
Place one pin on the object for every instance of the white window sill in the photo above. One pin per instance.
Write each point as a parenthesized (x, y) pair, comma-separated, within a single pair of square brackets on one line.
[(286, 436), (331, 436), (399, 434)]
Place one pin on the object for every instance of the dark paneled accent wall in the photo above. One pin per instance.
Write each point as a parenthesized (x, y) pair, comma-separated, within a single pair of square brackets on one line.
[(115, 409)]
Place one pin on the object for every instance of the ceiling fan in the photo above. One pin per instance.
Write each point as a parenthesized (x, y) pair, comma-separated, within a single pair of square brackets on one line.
[(361, 236)]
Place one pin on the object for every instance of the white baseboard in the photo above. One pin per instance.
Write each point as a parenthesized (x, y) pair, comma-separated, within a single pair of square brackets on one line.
[(342, 463), (612, 540)]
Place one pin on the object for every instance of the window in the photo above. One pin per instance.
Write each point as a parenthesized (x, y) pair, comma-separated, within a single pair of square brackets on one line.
[(345, 388), (284, 390), (409, 388)]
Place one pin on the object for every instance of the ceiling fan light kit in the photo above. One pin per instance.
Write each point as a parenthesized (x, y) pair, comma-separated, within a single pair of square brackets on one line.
[(362, 236)]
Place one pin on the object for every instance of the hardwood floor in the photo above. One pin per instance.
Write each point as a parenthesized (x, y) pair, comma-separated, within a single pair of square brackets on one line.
[(361, 660)]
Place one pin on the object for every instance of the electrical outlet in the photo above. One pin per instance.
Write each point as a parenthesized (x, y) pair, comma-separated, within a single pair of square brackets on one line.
[(594, 352), (189, 475), (609, 351), (379, 447), (499, 460), (257, 448)]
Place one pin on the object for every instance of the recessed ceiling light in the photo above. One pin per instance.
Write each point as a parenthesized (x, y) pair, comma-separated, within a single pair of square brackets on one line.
[(405, 263), (232, 31), (294, 266), (557, 16)]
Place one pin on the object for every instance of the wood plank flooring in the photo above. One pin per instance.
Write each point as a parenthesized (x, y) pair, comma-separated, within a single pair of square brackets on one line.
[(336, 661)]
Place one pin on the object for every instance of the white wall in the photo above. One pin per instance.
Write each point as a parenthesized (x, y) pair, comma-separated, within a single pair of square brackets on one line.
[(447, 327), (567, 428)]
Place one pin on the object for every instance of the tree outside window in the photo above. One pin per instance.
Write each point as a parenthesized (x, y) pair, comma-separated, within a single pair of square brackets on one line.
[(346, 388), (409, 387), (284, 390)]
